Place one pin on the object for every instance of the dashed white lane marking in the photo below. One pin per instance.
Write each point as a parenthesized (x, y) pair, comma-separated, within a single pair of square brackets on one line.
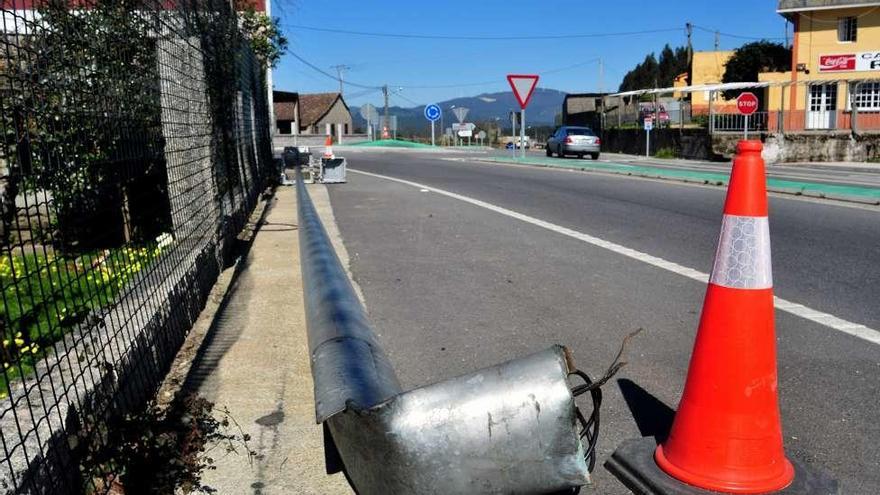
[(828, 320)]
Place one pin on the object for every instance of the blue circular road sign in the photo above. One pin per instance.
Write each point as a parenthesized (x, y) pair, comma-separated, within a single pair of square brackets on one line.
[(432, 112)]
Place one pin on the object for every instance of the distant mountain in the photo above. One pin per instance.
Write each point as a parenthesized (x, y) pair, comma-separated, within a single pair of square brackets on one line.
[(542, 110)]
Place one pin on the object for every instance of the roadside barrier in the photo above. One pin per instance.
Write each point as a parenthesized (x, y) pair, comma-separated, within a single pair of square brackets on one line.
[(509, 428), (727, 433)]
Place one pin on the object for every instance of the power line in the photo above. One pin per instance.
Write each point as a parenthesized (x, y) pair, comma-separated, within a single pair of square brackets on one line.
[(737, 36), (331, 76), (480, 38), (500, 80), (365, 92)]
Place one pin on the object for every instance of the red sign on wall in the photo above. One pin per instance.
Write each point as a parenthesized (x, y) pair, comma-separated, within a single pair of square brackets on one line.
[(837, 63)]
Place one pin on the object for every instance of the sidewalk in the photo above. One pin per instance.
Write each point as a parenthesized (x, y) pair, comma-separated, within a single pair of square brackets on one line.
[(255, 364)]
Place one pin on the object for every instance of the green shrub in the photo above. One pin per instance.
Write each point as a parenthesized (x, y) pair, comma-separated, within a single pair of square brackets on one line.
[(665, 153)]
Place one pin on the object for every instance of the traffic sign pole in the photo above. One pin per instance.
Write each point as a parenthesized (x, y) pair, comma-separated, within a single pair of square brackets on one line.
[(433, 114), (523, 85), (513, 134), (648, 143), (746, 104)]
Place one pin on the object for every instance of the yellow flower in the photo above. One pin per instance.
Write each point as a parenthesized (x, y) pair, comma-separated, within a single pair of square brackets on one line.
[(26, 349), (19, 342), (5, 365), (5, 342)]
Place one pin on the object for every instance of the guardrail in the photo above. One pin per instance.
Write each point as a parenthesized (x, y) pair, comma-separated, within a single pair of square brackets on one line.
[(509, 428)]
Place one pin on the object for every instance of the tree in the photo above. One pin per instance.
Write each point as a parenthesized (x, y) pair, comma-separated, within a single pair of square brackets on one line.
[(753, 58), (264, 35), (83, 123), (653, 73)]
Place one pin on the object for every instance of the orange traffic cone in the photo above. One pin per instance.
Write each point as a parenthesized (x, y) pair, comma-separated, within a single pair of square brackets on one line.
[(328, 148), (727, 434)]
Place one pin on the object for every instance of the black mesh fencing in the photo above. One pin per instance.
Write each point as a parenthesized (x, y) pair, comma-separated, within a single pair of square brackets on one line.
[(134, 146)]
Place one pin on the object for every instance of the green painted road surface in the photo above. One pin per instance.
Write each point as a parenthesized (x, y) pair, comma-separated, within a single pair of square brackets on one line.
[(860, 194), (390, 143)]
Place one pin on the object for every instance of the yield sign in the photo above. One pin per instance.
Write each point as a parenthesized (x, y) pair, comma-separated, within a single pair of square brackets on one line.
[(523, 86), (461, 113)]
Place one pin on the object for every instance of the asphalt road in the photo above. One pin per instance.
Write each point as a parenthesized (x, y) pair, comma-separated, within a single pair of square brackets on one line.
[(452, 287)]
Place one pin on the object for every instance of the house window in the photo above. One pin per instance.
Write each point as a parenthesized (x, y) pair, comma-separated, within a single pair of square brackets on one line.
[(867, 97), (846, 29)]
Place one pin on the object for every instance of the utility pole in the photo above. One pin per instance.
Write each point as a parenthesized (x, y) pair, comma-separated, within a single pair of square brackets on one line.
[(340, 68), (690, 69), (601, 77), (387, 123), (690, 34), (717, 41)]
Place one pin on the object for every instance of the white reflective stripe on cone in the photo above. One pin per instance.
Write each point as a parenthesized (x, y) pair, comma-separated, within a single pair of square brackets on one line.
[(743, 257)]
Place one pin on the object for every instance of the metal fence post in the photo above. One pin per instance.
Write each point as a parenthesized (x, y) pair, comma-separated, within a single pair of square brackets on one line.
[(780, 124), (711, 112), (853, 89)]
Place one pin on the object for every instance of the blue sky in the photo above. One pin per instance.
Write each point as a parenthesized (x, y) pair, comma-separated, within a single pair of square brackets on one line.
[(464, 66)]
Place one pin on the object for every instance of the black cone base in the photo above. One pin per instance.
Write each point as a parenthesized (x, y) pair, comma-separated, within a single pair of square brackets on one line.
[(633, 464)]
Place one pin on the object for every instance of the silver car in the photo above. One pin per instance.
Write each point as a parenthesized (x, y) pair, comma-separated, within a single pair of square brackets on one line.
[(570, 140)]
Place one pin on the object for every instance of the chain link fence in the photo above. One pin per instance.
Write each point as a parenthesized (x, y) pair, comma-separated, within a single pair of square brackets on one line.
[(135, 143)]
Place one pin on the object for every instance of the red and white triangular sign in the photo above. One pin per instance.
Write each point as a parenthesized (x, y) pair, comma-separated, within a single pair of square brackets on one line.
[(523, 86)]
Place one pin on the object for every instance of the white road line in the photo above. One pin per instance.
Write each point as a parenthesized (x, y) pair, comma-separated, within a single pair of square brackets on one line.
[(828, 320)]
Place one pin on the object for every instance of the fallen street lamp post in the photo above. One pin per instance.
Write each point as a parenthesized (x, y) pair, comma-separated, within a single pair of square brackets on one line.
[(508, 428)]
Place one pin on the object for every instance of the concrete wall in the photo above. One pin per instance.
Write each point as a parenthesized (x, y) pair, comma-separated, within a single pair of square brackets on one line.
[(697, 144), (806, 147), (279, 141), (687, 143)]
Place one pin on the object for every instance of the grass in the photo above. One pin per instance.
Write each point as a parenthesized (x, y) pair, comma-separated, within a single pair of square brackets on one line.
[(47, 295)]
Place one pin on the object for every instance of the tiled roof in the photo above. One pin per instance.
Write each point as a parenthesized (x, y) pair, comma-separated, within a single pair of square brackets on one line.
[(285, 110), (314, 106)]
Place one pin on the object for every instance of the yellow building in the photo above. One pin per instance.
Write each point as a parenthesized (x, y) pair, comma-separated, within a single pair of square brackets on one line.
[(708, 68), (836, 41)]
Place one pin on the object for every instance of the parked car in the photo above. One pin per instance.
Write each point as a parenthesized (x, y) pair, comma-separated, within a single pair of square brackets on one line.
[(570, 140)]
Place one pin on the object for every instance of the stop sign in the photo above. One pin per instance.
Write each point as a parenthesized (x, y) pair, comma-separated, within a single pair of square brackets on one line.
[(747, 103)]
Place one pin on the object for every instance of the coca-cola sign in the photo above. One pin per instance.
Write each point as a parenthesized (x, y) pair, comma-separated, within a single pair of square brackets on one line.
[(850, 62), (836, 63)]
